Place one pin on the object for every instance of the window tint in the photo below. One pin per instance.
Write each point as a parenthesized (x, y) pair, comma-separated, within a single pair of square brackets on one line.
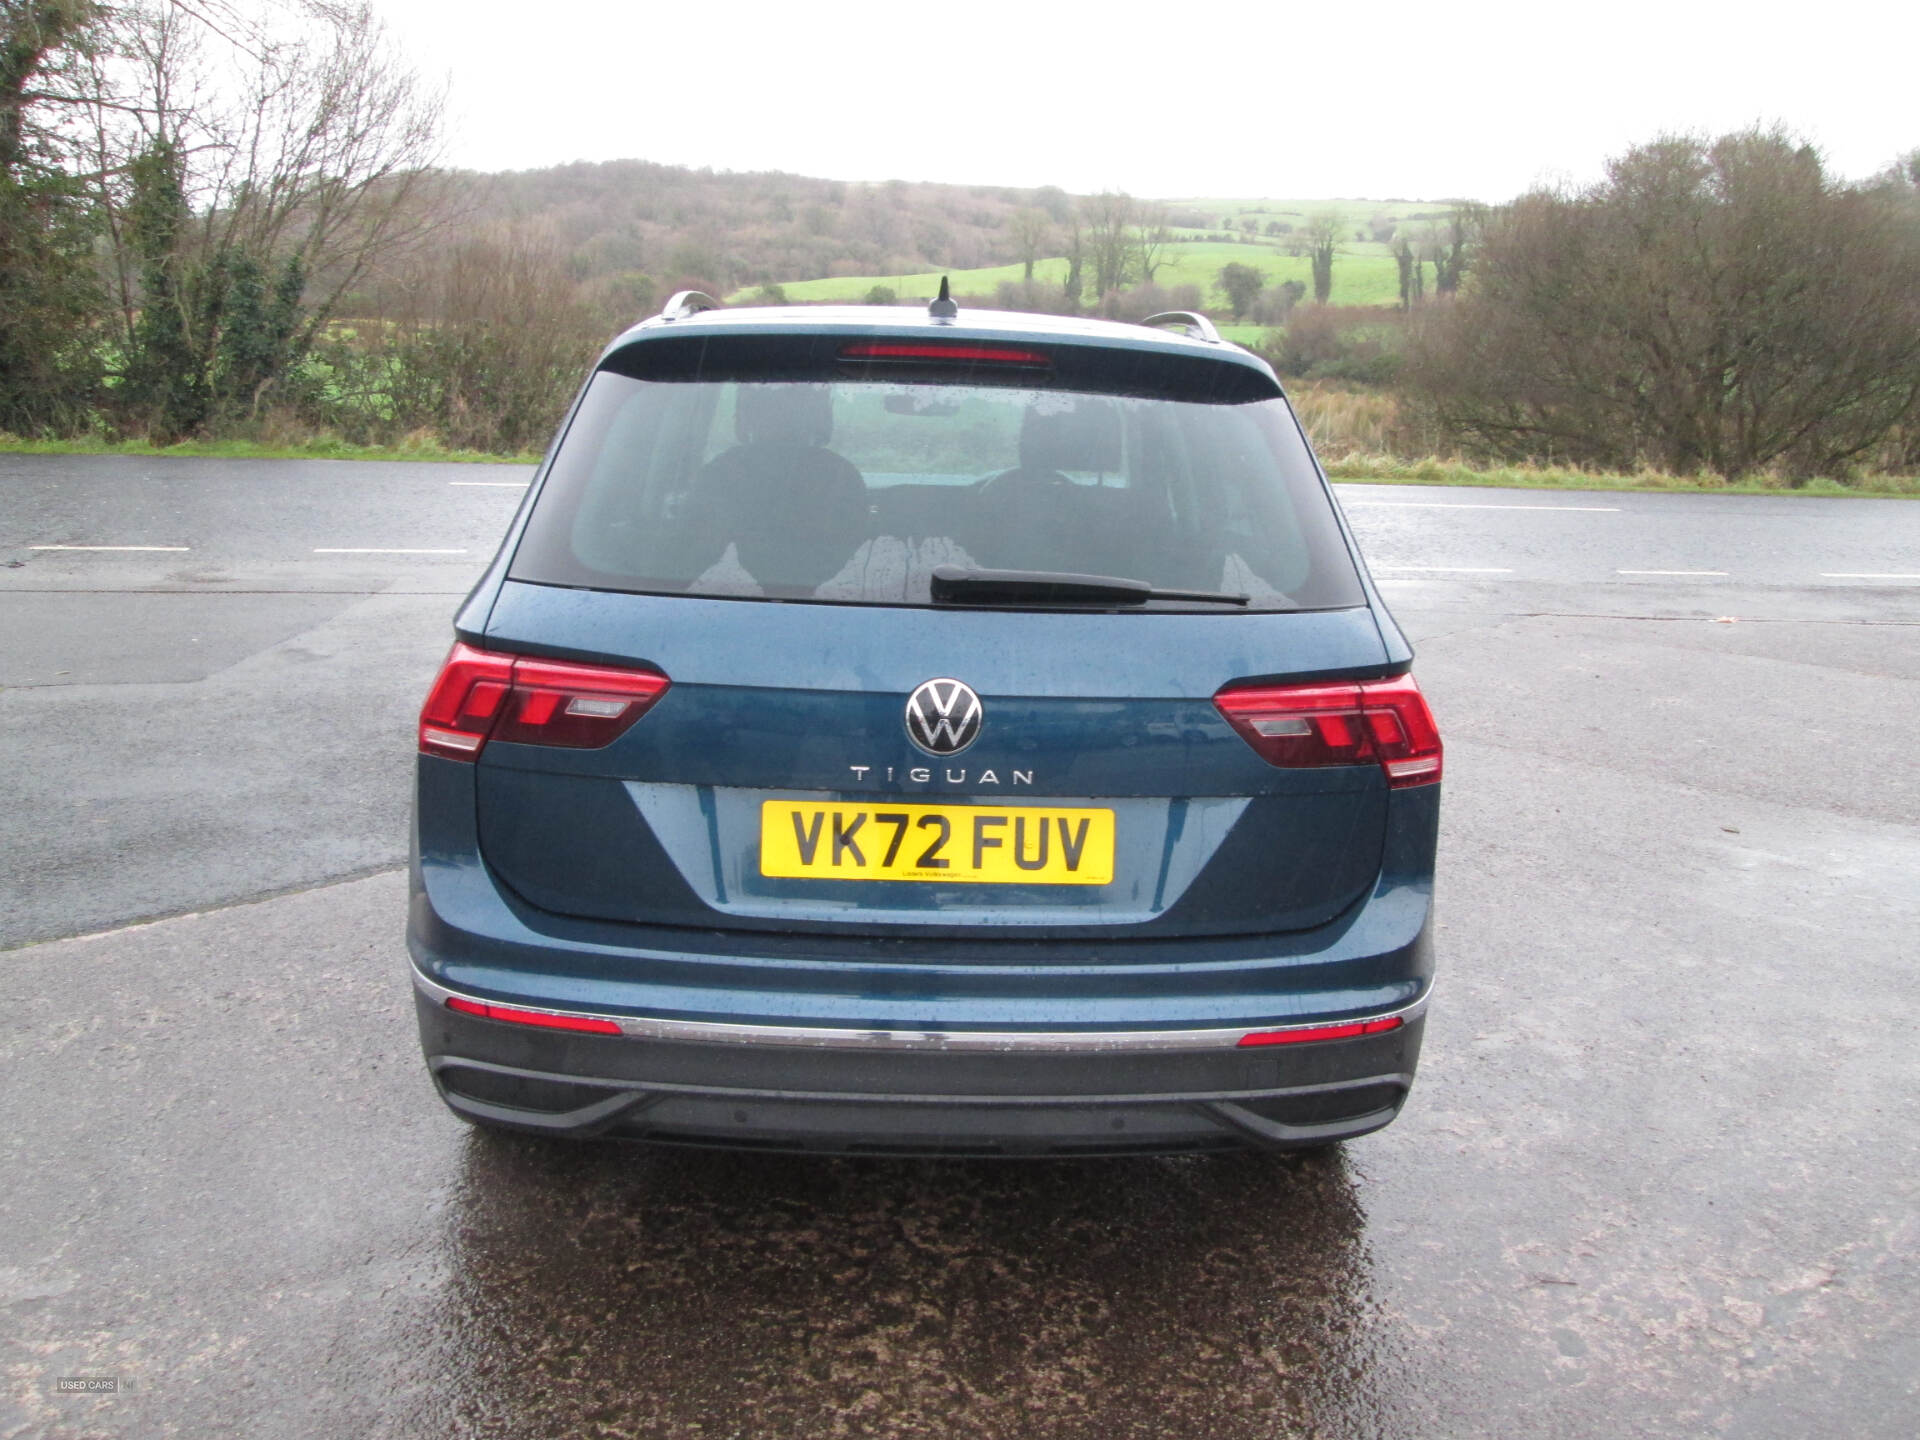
[(854, 490)]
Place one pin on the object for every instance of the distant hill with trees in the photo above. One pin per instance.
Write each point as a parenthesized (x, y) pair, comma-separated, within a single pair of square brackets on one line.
[(632, 230)]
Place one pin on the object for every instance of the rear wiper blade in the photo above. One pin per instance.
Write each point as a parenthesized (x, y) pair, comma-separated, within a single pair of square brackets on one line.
[(953, 585)]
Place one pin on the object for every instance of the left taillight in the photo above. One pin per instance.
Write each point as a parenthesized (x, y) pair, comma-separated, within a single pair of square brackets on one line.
[(483, 695), (1385, 722)]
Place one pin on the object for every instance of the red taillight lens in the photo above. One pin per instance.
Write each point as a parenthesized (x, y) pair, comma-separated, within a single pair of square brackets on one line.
[(464, 702), (482, 695), (1381, 721), (579, 706), (1307, 1033), (587, 1023), (949, 354)]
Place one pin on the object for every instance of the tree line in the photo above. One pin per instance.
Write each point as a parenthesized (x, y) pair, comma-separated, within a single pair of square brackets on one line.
[(1721, 305), (188, 193)]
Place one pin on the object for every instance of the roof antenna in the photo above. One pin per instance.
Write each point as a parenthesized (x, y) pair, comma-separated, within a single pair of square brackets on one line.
[(944, 306)]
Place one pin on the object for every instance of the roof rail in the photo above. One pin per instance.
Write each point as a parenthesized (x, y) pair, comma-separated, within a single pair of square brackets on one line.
[(1198, 326), (686, 303)]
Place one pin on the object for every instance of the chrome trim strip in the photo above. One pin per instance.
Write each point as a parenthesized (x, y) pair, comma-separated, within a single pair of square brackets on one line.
[(647, 1027)]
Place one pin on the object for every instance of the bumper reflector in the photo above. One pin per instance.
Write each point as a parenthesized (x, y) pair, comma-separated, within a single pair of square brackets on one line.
[(1308, 1033), (587, 1023)]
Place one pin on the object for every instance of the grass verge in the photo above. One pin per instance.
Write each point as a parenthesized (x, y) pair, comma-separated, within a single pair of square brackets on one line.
[(1393, 470), (256, 450)]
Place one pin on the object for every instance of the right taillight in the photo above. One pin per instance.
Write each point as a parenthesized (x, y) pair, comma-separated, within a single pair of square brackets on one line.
[(483, 695), (1385, 722)]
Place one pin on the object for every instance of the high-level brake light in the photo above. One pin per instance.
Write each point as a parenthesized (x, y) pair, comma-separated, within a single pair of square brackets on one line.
[(1300, 726), (483, 695), (1305, 1034), (952, 354)]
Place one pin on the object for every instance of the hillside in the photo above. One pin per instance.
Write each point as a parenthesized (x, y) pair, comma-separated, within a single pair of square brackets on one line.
[(730, 229), (632, 230)]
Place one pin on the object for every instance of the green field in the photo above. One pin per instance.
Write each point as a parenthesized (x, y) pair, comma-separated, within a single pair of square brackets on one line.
[(1364, 274)]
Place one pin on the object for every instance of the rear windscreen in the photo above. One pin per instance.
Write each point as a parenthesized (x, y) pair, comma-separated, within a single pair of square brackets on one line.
[(852, 489)]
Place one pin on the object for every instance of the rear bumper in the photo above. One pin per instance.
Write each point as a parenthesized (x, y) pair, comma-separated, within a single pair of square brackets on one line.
[(887, 1092), (854, 1043)]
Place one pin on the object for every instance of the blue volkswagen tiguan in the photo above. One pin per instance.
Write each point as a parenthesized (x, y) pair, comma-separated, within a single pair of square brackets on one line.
[(885, 730)]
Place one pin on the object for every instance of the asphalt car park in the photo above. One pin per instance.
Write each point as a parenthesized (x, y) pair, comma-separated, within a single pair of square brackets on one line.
[(1659, 1176)]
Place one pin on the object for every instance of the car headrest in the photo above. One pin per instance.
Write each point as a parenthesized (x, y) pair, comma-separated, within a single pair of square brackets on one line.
[(783, 415), (1071, 433)]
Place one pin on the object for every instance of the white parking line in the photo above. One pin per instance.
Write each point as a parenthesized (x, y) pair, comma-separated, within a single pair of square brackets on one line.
[(1845, 575), (169, 549), (371, 551), (1448, 569), (1461, 505), (1721, 573), (492, 484)]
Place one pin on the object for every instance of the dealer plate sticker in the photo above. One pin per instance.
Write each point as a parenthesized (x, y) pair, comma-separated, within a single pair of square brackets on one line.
[(957, 844)]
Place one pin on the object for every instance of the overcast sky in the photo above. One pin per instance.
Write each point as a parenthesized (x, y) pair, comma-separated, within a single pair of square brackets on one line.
[(1475, 98)]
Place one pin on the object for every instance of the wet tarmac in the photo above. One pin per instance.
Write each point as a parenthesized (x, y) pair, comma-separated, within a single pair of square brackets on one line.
[(1658, 1178)]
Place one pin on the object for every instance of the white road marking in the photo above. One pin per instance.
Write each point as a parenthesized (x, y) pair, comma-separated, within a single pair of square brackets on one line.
[(1458, 505), (1670, 572), (370, 551), (1448, 569), (1844, 575), (169, 549), (492, 484)]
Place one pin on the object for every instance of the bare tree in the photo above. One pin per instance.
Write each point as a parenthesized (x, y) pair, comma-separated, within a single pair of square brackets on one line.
[(1072, 288), (300, 149), (1452, 242), (1406, 260), (1153, 233), (494, 343), (1718, 305), (1031, 230), (1109, 218), (1322, 235)]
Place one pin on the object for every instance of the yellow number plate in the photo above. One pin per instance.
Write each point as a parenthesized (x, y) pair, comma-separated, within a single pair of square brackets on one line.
[(960, 844)]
